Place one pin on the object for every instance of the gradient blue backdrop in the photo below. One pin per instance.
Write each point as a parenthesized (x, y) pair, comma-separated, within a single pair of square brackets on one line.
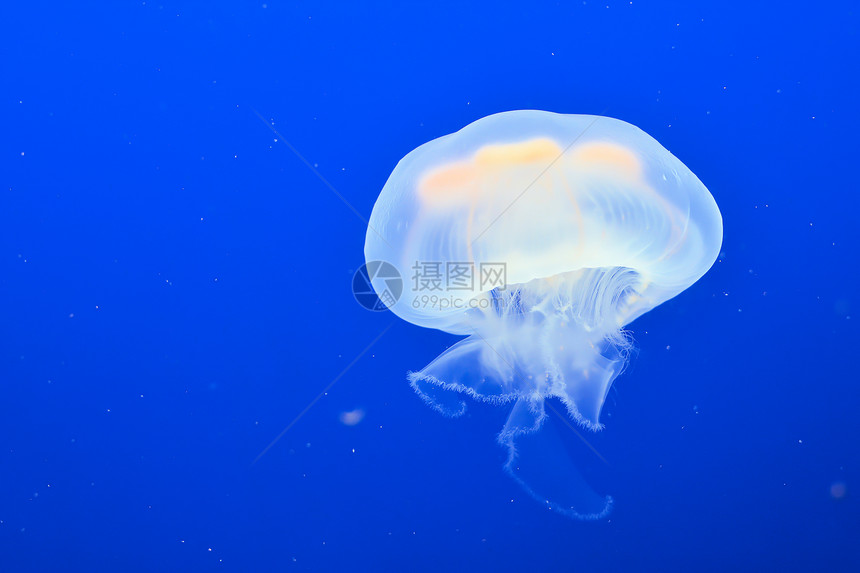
[(175, 288)]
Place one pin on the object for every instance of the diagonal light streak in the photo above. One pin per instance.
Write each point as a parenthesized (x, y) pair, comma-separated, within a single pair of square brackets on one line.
[(575, 431), (321, 394), (319, 175)]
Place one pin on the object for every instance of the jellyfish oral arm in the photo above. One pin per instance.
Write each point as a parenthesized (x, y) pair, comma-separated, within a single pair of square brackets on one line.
[(540, 464), (546, 339)]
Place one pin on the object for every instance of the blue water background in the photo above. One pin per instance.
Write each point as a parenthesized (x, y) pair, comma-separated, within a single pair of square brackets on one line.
[(175, 289)]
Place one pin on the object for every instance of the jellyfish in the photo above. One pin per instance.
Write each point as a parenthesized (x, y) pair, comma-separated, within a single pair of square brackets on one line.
[(539, 237)]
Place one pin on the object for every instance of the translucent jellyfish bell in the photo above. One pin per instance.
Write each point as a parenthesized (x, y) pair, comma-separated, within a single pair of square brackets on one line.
[(540, 236)]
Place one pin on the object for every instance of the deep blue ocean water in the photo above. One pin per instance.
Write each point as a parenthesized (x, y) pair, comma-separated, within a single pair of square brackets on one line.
[(175, 289)]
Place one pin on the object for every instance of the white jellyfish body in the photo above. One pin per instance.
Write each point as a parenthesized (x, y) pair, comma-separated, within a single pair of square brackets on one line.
[(539, 236)]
